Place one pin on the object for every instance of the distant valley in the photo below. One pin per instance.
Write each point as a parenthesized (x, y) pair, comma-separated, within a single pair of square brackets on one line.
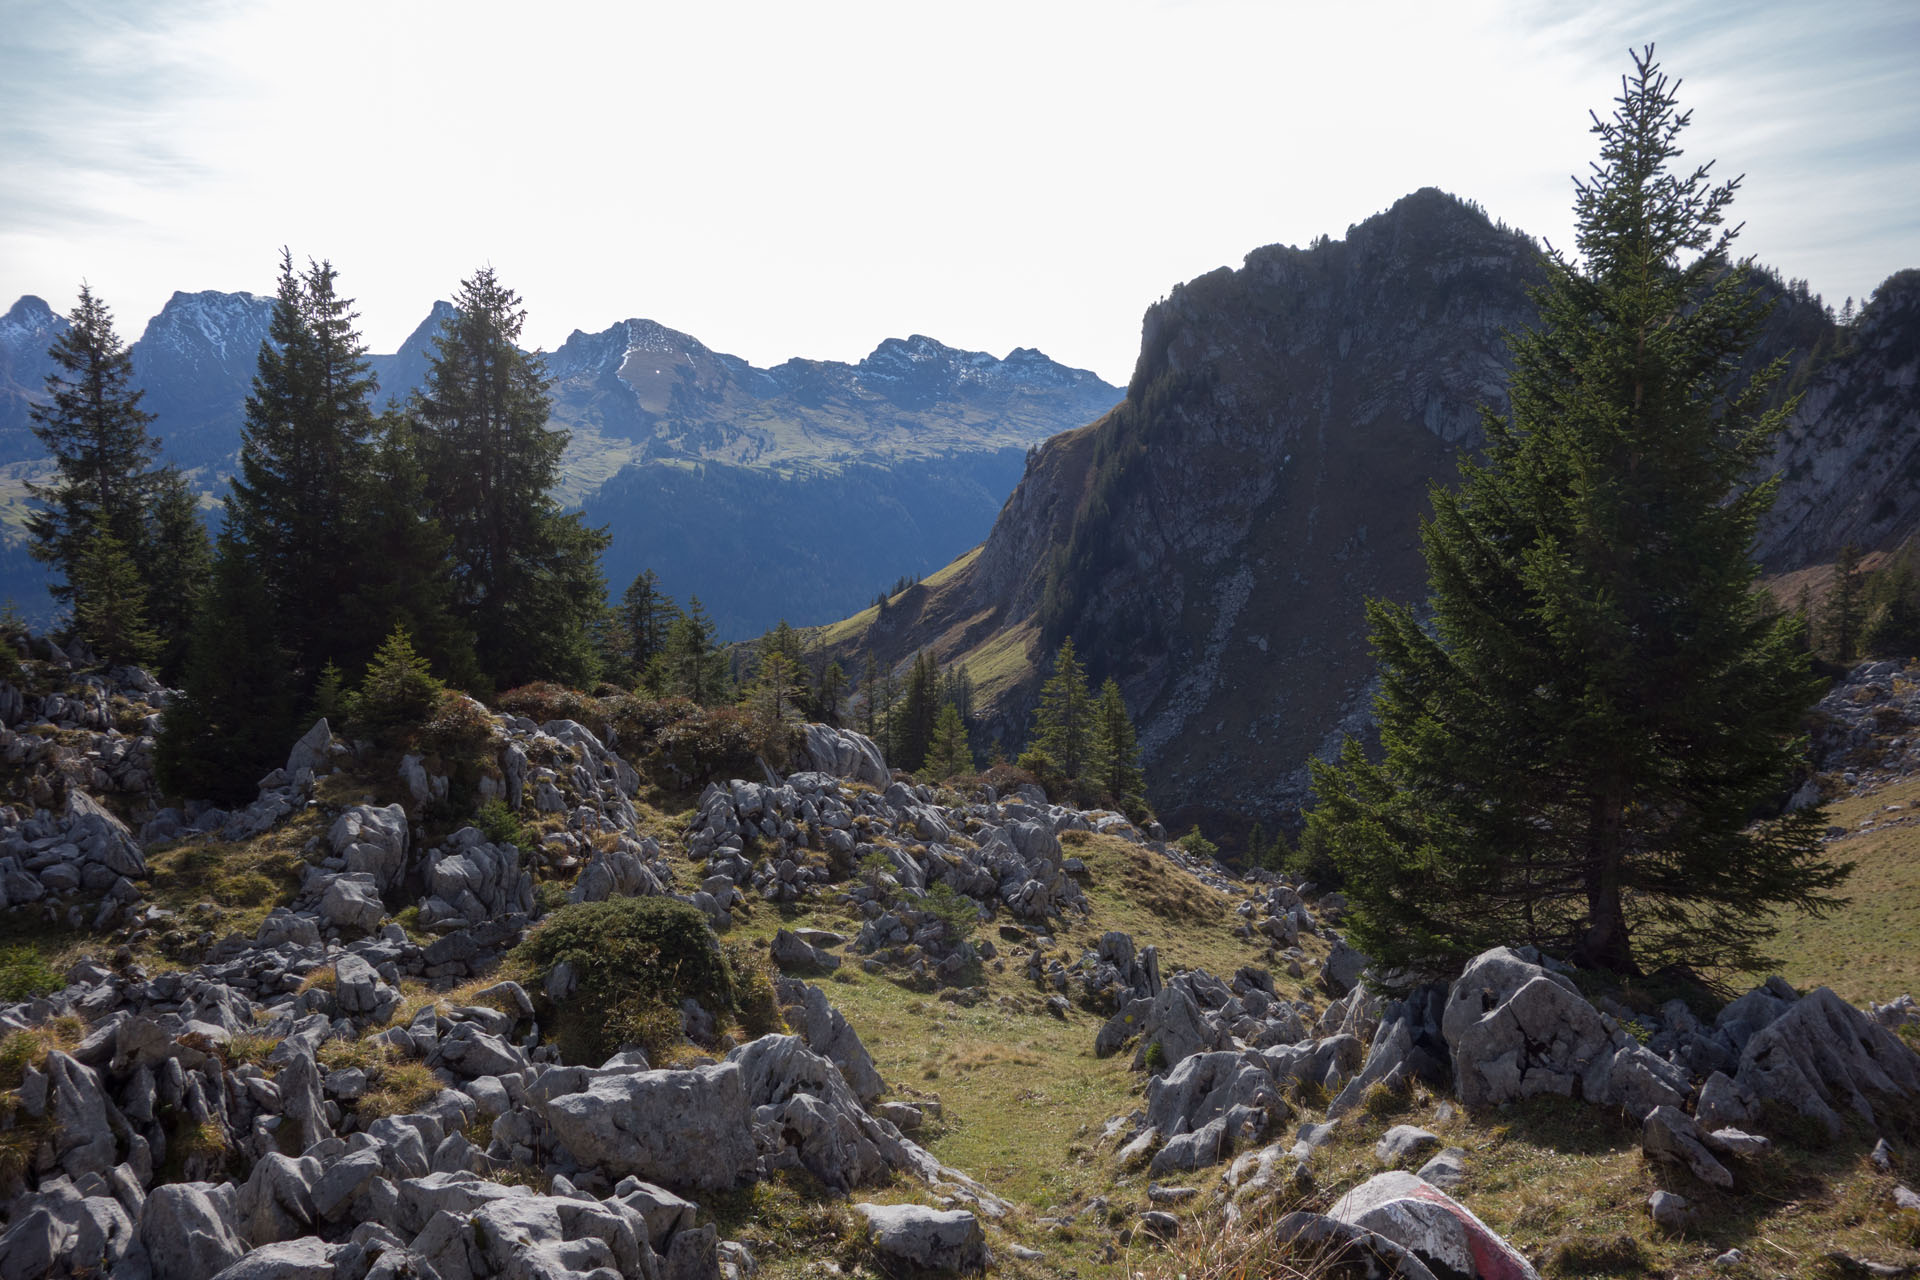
[(793, 492)]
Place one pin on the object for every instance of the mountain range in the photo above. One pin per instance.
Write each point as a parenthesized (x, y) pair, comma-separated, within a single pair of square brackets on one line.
[(852, 474), (1211, 542)]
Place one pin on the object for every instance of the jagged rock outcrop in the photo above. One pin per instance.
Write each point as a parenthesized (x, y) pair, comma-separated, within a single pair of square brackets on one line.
[(1211, 542)]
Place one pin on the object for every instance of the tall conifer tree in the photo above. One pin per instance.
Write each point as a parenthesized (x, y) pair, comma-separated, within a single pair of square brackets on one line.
[(305, 455), (233, 718), (1575, 750), (1116, 748), (96, 432), (527, 575), (1063, 723)]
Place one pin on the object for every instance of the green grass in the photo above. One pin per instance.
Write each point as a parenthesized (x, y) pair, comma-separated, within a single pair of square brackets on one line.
[(1870, 950)]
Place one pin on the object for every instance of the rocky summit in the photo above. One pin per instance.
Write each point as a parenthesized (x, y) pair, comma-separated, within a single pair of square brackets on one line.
[(968, 1030), (1211, 543)]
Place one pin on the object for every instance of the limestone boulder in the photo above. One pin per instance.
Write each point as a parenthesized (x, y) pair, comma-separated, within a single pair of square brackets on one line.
[(690, 1128), (1431, 1225), (923, 1239)]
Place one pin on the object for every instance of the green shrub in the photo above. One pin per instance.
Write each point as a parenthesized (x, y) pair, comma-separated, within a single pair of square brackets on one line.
[(459, 727), (954, 909), (635, 960), (541, 702), (754, 996), (718, 743), (1198, 845), (397, 696), (25, 973), (502, 825)]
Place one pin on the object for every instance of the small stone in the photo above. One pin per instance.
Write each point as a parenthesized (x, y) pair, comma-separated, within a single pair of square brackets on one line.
[(1404, 1141), (1669, 1211), (1159, 1224), (1882, 1156), (1170, 1195), (1446, 1170), (1729, 1260)]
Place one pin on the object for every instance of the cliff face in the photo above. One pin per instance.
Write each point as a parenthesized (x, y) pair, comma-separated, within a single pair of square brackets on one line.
[(1850, 463), (1212, 541)]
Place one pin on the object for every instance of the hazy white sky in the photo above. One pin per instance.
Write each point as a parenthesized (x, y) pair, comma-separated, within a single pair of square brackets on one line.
[(807, 179)]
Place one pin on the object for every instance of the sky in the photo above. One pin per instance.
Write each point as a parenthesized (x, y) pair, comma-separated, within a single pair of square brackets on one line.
[(807, 179)]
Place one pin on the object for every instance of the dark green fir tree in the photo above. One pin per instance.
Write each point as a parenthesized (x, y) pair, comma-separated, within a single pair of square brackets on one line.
[(1116, 748), (94, 429), (1063, 724), (234, 717), (305, 454), (527, 578), (1577, 746)]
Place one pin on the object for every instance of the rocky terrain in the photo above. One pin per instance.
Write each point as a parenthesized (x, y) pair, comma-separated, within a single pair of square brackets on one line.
[(1211, 542), (1004, 1034)]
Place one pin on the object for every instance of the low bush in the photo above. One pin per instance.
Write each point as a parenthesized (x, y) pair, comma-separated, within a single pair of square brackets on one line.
[(634, 960), (25, 973), (502, 825), (715, 744), (959, 913)]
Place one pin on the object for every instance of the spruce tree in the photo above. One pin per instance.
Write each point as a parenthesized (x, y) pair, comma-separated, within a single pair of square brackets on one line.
[(830, 692), (110, 602), (175, 563), (1576, 748), (646, 614), (403, 566), (919, 711), (234, 717), (1063, 723), (1844, 609), (93, 427), (692, 664), (527, 575), (949, 754), (305, 454), (1116, 749)]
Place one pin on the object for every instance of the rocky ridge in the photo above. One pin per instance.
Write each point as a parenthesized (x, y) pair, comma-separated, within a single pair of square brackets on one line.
[(1211, 542)]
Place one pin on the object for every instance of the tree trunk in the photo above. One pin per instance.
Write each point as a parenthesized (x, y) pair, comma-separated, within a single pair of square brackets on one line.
[(1605, 945)]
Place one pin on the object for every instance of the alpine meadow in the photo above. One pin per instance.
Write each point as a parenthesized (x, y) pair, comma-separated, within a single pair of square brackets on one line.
[(1418, 782)]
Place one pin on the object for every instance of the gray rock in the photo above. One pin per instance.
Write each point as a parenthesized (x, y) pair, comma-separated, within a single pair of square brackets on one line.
[(372, 840), (1669, 1211), (535, 1236), (842, 753), (356, 987), (352, 902), (188, 1231), (1821, 1055), (1343, 968), (1438, 1230), (1670, 1136), (1734, 1142), (83, 1141), (927, 1239), (311, 751), (827, 1033), (57, 1231), (790, 952), (1446, 1170), (683, 1128), (307, 1259), (1404, 1142)]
